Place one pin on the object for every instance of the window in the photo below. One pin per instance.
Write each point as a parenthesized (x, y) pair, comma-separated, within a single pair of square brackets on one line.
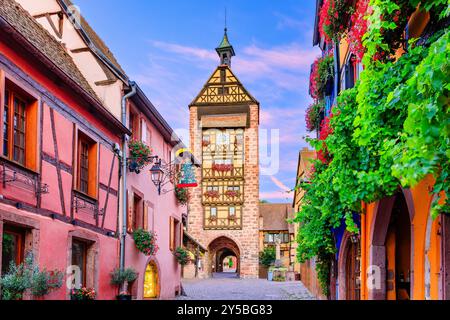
[(222, 90), (138, 209), (12, 247), (213, 212), (175, 234), (79, 259), (87, 166), (137, 212), (233, 188), (134, 125), (232, 211), (19, 126), (223, 76), (212, 188), (223, 138)]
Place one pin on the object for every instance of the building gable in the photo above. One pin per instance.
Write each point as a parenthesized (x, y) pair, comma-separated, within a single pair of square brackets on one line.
[(222, 88)]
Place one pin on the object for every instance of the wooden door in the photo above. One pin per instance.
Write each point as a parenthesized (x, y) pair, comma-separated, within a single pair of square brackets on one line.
[(352, 272), (151, 282), (391, 293)]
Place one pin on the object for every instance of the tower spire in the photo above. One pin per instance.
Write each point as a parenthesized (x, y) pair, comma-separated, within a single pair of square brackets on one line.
[(225, 49)]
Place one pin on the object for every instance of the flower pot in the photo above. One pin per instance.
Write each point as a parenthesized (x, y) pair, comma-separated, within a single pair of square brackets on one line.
[(124, 297), (134, 166)]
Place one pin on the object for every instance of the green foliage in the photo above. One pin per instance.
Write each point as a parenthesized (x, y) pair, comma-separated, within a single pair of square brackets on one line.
[(424, 144), (182, 256), (145, 242), (392, 129), (182, 195), (267, 256), (118, 277), (27, 276)]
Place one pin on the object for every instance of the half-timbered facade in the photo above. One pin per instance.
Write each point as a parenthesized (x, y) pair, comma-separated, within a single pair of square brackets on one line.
[(223, 209), (158, 275), (59, 173)]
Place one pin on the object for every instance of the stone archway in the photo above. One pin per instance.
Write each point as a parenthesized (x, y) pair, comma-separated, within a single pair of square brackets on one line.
[(391, 248), (219, 249)]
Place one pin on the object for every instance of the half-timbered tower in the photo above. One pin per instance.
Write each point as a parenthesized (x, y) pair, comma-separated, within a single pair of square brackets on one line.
[(223, 209)]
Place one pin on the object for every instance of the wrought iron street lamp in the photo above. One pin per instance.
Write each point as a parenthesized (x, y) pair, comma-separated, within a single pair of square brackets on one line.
[(157, 175)]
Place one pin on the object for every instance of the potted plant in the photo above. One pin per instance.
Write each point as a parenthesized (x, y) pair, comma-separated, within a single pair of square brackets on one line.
[(83, 294), (140, 155), (182, 256), (145, 241), (26, 277), (122, 279)]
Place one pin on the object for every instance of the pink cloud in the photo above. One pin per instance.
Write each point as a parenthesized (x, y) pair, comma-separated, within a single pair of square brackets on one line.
[(276, 195), (279, 184)]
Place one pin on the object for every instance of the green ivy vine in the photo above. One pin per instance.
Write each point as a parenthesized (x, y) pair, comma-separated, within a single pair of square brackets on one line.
[(391, 130)]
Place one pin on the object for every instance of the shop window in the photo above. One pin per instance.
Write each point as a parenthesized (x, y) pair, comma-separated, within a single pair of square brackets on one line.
[(79, 259), (13, 247), (19, 126), (87, 166)]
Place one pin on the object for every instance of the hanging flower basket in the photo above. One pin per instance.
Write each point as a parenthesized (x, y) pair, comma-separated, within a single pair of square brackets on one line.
[(358, 29), (232, 193), (211, 194), (140, 155), (182, 256), (182, 195), (334, 18), (83, 294), (313, 114), (322, 72), (145, 242), (222, 167)]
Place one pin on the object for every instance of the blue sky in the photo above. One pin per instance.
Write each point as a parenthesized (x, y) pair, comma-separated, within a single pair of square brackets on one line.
[(168, 48)]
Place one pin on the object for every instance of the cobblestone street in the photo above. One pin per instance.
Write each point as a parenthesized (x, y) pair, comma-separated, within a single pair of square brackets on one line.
[(243, 289)]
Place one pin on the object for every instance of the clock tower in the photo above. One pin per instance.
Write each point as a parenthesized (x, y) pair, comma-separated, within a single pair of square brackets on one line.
[(224, 207)]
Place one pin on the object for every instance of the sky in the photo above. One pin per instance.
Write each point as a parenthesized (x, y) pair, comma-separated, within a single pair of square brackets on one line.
[(167, 47)]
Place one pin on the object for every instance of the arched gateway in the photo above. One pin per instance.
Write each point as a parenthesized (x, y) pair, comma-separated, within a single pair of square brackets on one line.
[(223, 124), (391, 248), (220, 249)]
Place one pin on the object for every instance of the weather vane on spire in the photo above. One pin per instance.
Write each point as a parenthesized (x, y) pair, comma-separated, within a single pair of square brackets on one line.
[(225, 49)]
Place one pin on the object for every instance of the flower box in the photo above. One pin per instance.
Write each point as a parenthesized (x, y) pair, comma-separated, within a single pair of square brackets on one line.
[(222, 167), (232, 193), (211, 194)]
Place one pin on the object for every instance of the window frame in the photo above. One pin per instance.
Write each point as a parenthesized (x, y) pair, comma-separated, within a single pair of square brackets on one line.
[(19, 234), (32, 103), (85, 246), (93, 164)]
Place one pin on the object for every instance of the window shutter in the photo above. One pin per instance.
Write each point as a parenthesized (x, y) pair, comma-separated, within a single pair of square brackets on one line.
[(130, 211), (172, 234), (145, 218)]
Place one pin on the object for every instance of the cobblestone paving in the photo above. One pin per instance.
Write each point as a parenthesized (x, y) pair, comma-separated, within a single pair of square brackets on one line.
[(243, 289)]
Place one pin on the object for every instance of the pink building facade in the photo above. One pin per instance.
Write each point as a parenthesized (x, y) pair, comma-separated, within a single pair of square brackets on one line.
[(159, 275), (65, 203), (59, 174)]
